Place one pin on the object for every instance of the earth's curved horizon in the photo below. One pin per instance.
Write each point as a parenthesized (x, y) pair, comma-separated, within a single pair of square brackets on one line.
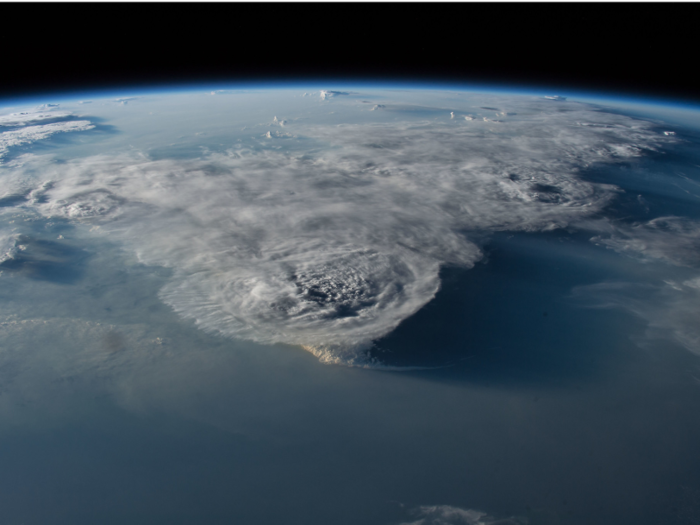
[(529, 262)]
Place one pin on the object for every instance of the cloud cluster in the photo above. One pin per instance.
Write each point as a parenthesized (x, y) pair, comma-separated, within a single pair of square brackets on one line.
[(29, 134), (25, 129), (675, 240), (24, 118), (8, 245), (325, 95), (670, 307), (333, 249)]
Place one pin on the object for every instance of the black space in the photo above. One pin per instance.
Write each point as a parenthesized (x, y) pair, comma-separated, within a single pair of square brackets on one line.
[(641, 49)]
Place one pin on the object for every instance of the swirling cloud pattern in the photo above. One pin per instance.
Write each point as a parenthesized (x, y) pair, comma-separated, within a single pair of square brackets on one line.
[(333, 248)]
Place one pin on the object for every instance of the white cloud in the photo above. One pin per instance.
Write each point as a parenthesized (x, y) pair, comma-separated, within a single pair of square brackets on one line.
[(28, 131), (333, 250), (670, 308), (675, 240), (8, 245), (24, 118), (325, 95), (278, 122), (449, 515), (29, 134)]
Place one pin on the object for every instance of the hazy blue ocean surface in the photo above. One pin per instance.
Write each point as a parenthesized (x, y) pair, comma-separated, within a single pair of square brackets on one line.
[(348, 306)]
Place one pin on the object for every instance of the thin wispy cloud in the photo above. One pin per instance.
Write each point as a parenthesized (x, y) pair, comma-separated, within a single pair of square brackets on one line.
[(450, 515)]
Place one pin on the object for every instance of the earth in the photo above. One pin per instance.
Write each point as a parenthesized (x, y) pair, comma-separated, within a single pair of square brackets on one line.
[(358, 304)]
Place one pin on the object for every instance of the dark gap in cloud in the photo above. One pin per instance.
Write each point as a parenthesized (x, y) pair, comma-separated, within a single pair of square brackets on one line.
[(545, 188), (506, 319), (12, 200), (100, 126)]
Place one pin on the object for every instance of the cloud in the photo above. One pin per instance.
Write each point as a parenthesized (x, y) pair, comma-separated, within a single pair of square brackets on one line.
[(29, 134), (448, 515), (26, 130), (8, 245), (671, 309), (675, 240), (24, 118), (325, 95), (331, 250)]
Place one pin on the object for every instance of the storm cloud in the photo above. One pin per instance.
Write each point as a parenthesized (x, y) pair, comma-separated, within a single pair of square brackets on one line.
[(331, 250)]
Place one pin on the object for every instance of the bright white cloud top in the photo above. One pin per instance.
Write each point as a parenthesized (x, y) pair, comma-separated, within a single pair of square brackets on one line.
[(27, 127)]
